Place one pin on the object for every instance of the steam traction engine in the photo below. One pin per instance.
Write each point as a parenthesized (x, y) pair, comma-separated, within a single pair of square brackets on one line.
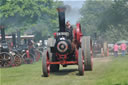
[(68, 47), (30, 54), (6, 59), (15, 52)]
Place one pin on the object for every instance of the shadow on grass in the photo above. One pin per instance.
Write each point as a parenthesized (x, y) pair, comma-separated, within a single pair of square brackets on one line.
[(65, 72), (116, 84)]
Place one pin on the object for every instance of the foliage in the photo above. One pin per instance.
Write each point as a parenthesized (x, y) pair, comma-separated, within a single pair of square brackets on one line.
[(28, 14), (107, 18), (91, 15), (114, 34)]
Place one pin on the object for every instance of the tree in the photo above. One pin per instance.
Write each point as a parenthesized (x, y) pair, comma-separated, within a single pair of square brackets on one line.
[(28, 14), (106, 18), (25, 11), (91, 12), (116, 14)]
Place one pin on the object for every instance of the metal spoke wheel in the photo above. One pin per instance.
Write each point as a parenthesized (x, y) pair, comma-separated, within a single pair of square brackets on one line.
[(6, 60), (17, 60), (45, 64), (28, 60), (80, 62), (87, 52)]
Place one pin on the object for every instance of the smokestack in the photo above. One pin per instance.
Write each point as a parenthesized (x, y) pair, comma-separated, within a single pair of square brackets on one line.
[(2, 33), (18, 37), (14, 39), (61, 13)]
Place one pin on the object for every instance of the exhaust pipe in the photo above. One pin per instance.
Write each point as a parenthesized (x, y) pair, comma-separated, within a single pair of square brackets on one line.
[(2, 33), (18, 37), (14, 39), (61, 14)]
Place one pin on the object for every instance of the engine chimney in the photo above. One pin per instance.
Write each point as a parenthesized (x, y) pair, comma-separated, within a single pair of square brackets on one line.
[(18, 37), (14, 39), (61, 14), (2, 33)]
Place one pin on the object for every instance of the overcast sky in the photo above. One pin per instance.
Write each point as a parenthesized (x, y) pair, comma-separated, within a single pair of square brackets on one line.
[(77, 4), (73, 15), (71, 0)]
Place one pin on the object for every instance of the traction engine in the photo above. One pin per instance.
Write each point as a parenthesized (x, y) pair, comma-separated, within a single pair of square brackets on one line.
[(15, 51), (68, 47), (6, 59)]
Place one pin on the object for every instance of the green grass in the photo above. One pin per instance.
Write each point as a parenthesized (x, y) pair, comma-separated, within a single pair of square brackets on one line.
[(107, 71)]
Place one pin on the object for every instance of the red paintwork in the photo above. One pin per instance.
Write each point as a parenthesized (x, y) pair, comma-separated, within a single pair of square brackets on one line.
[(78, 32), (63, 62), (60, 56), (48, 65), (62, 59), (27, 52), (54, 35), (91, 55), (78, 35)]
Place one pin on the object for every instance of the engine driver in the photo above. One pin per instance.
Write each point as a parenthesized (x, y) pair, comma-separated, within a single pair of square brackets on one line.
[(69, 29)]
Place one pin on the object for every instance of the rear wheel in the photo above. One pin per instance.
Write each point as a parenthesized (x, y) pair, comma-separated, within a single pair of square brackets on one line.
[(17, 60), (87, 51), (6, 60), (45, 64), (29, 60), (80, 62)]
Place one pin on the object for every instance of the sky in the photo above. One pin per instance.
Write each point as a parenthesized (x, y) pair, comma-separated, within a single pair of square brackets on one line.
[(71, 0), (73, 14), (77, 4)]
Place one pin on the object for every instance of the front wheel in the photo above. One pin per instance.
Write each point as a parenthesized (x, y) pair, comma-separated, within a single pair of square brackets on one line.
[(80, 62), (87, 51), (28, 60), (17, 60), (45, 64), (6, 60)]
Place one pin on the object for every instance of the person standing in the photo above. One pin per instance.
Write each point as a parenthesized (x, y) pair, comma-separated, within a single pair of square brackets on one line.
[(123, 48), (116, 47)]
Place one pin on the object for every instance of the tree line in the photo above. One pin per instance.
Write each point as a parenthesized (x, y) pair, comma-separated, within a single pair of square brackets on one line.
[(107, 19), (30, 16)]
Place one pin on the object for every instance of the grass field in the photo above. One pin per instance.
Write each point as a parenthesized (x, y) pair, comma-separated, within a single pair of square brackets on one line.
[(107, 71)]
